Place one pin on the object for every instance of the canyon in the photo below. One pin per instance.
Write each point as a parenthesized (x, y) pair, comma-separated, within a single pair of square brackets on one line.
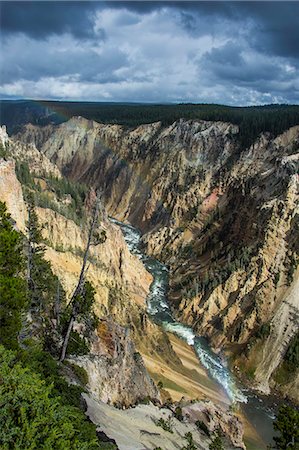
[(222, 218), (126, 343)]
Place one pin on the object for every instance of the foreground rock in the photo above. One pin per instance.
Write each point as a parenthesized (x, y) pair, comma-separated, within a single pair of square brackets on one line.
[(215, 418), (116, 372), (136, 429)]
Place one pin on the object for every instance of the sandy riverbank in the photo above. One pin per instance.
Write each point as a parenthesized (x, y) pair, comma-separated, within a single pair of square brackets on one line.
[(190, 380)]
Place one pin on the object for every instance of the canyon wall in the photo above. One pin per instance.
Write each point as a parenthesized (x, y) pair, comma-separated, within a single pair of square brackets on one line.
[(120, 280), (223, 218)]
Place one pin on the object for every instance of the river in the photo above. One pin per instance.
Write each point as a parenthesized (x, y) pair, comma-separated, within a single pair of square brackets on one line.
[(259, 411)]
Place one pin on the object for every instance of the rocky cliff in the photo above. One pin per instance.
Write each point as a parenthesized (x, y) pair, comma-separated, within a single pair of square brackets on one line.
[(11, 193), (115, 368), (224, 218)]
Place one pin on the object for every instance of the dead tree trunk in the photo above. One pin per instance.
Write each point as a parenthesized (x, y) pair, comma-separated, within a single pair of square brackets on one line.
[(57, 305), (67, 338), (79, 288)]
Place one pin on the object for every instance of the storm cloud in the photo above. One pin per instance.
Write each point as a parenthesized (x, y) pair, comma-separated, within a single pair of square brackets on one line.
[(218, 52)]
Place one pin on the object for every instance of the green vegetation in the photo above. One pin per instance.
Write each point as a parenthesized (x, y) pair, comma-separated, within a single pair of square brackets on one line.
[(286, 425), (202, 427), (251, 120), (288, 368), (13, 294), (264, 331), (190, 443), (4, 153), (76, 191), (23, 174), (167, 424), (42, 283), (236, 259), (276, 278), (178, 414), (41, 362), (39, 409), (60, 195), (250, 371), (216, 443), (293, 264), (292, 353), (77, 345), (32, 417)]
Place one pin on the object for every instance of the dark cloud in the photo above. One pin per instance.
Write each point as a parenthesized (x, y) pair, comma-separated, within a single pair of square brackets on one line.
[(273, 27), (41, 19), (225, 52), (276, 27), (85, 65), (227, 63)]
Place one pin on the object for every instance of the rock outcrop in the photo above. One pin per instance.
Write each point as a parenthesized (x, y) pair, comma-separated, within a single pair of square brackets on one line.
[(3, 135), (116, 372), (111, 264), (136, 428), (11, 193), (216, 418)]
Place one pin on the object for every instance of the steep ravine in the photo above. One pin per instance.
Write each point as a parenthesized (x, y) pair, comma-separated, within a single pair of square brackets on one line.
[(260, 413), (116, 372), (224, 219), (121, 283)]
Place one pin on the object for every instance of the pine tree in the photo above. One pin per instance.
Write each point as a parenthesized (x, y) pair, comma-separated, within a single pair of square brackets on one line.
[(216, 443), (12, 284), (287, 425), (42, 283), (32, 417), (83, 296), (45, 293)]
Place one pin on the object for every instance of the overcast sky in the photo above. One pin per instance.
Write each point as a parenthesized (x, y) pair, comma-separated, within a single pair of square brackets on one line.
[(238, 53)]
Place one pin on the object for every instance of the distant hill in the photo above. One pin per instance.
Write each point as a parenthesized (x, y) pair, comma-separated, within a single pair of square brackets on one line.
[(251, 120)]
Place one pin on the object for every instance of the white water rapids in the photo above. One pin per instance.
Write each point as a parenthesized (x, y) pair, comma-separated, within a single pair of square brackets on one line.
[(159, 310)]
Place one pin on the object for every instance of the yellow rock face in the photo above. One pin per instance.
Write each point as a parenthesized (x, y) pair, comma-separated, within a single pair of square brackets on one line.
[(11, 193)]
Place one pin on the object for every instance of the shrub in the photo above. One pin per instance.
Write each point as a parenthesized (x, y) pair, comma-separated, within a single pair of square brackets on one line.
[(292, 353), (45, 365), (32, 417), (190, 445), (287, 425), (77, 345), (80, 373), (263, 331), (165, 424), (23, 174), (202, 427), (145, 400), (13, 292), (4, 153), (276, 278), (178, 413), (216, 443)]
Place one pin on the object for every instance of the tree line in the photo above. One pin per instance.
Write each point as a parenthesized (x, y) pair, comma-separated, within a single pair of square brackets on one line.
[(251, 120)]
